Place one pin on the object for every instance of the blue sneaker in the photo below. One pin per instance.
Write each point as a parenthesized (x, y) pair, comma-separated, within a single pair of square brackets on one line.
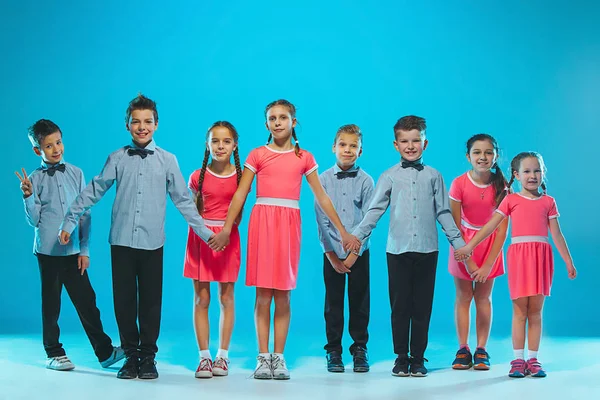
[(463, 360), (117, 355), (481, 360)]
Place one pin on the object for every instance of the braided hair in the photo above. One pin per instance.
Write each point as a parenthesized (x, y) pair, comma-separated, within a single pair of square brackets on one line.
[(501, 187), (515, 165), (292, 109), (236, 158)]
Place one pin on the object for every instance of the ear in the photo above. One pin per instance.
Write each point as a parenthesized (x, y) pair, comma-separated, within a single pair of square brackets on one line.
[(294, 121), (425, 143), (359, 152), (333, 148), (396, 146), (267, 125), (37, 151), (127, 125), (156, 126)]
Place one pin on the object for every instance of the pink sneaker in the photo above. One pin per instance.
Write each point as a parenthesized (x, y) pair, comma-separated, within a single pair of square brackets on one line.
[(535, 368), (518, 368), (221, 367), (205, 369)]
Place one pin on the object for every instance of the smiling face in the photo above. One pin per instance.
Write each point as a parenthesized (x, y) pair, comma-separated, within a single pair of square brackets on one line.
[(280, 122), (530, 174), (51, 148), (220, 143), (482, 156), (141, 126), (410, 144)]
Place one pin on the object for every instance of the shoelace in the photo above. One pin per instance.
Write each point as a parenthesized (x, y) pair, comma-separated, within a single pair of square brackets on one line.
[(220, 362), (62, 360), (262, 362), (277, 362), (204, 364)]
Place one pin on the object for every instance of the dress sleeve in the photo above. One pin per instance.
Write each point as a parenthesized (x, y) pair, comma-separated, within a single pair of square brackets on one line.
[(193, 181), (553, 211), (456, 190), (252, 162), (311, 164), (504, 207)]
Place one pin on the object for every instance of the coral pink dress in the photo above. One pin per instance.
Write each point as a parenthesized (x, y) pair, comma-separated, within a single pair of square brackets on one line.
[(477, 207), (201, 262), (274, 230), (529, 257)]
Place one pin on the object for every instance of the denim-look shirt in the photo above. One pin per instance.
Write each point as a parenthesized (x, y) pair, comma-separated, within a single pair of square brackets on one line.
[(138, 214), (418, 199), (350, 191), (47, 206)]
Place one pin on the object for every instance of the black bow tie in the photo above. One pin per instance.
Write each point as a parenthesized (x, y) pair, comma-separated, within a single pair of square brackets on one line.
[(346, 174), (52, 170), (418, 165), (132, 151)]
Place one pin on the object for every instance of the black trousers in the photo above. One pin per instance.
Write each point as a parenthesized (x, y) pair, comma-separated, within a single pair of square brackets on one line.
[(359, 302), (56, 271), (411, 284), (137, 288)]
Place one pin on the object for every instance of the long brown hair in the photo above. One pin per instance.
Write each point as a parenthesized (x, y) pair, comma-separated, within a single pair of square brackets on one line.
[(499, 183), (236, 159), (515, 164), (292, 109)]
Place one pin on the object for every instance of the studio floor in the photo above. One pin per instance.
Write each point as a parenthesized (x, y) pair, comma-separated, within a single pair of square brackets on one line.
[(572, 365)]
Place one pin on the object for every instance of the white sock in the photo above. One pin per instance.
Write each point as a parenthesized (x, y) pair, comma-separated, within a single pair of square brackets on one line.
[(280, 355), (532, 354), (205, 354), (265, 355), (519, 354), (223, 353)]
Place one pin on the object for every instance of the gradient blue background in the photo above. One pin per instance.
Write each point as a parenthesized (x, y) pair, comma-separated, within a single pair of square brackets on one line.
[(526, 72)]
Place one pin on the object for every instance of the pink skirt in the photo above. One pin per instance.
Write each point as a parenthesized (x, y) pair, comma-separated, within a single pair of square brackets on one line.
[(205, 265), (530, 269), (273, 254), (480, 254)]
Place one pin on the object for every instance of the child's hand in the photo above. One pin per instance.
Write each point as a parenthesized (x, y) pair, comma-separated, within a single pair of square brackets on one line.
[(26, 186), (64, 237), (219, 241), (482, 273), (572, 271), (83, 263), (463, 253), (350, 260), (350, 242), (336, 263)]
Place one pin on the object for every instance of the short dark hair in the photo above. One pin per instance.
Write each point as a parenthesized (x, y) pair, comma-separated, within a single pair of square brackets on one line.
[(410, 122), (351, 129), (141, 102), (42, 128)]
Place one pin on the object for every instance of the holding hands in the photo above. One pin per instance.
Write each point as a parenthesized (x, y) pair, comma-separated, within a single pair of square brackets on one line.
[(463, 254), (351, 242), (26, 186), (219, 241)]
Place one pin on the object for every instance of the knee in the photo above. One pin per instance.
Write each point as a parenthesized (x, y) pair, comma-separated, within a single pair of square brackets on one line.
[(226, 300), (263, 299), (483, 299), (464, 297), (202, 300), (534, 316), (282, 298)]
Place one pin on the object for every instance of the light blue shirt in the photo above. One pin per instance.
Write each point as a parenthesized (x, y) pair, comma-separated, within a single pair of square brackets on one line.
[(418, 199), (47, 206), (138, 213), (350, 191)]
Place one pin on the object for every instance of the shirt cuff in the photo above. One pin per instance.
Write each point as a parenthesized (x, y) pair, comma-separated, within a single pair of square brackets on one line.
[(458, 243), (204, 233), (67, 226)]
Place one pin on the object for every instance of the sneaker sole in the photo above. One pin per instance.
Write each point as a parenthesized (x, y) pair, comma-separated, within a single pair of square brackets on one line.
[(538, 375), (148, 376), (418, 375), (263, 377), (220, 372), (126, 376), (336, 370), (281, 377), (401, 374), (361, 369), (481, 367), (516, 376), (203, 375), (61, 368), (461, 367)]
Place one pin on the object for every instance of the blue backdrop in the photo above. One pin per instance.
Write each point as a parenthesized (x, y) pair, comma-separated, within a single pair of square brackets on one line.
[(526, 72)]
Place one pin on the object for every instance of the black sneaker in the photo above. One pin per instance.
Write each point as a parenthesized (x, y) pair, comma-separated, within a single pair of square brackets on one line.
[(463, 359), (417, 367), (129, 370), (147, 369), (481, 360), (334, 362), (401, 366), (361, 360)]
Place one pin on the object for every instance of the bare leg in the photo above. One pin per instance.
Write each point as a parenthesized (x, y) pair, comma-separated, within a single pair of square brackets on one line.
[(281, 318), (262, 317), (534, 320), (483, 305), (520, 307), (227, 314), (201, 303), (462, 309)]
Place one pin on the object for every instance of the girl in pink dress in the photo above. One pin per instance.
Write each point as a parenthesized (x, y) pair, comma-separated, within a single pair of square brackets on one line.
[(214, 185), (275, 229), (530, 261), (474, 196)]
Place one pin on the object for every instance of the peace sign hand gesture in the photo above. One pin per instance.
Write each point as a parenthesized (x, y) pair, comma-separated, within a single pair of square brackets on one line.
[(26, 186)]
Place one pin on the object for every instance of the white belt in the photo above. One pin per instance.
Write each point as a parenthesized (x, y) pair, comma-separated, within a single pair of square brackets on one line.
[(468, 225), (214, 222), (275, 201), (528, 239)]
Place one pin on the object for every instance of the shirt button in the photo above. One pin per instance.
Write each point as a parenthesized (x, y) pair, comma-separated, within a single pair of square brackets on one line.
[(415, 234), (413, 181), (139, 192), (138, 211), (414, 216), (414, 198), (141, 174), (343, 209)]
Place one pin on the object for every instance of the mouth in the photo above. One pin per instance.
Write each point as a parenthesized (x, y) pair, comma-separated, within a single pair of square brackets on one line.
[(278, 130), (57, 155), (219, 154), (142, 134)]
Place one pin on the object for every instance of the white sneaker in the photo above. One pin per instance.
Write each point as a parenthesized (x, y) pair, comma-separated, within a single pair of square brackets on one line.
[(279, 368), (220, 367), (61, 363), (205, 369), (263, 368)]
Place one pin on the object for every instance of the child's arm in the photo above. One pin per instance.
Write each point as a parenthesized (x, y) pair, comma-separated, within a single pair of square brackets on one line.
[(32, 202), (486, 231), (337, 264), (561, 245), (182, 199), (221, 239), (324, 201), (322, 225), (85, 227), (443, 214), (482, 273), (456, 211), (377, 206), (350, 260)]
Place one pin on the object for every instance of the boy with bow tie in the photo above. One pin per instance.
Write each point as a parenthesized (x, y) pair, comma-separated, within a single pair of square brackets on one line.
[(47, 193), (350, 189), (418, 199), (145, 174)]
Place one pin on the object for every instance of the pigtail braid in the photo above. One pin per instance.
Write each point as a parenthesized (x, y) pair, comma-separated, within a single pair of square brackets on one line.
[(296, 145), (199, 197)]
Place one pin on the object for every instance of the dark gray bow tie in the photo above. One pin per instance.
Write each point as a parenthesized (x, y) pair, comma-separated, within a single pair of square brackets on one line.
[(52, 170), (132, 151), (418, 165), (346, 174)]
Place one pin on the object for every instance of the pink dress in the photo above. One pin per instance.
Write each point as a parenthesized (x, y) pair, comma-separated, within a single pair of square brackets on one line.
[(274, 229), (201, 262), (477, 207), (529, 257)]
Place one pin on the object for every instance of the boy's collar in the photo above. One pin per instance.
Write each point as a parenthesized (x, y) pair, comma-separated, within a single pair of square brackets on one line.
[(336, 168), (150, 146), (45, 165)]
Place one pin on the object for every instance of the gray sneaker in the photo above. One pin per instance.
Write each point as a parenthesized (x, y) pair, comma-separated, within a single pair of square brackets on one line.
[(117, 355), (279, 368), (60, 363), (263, 368)]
